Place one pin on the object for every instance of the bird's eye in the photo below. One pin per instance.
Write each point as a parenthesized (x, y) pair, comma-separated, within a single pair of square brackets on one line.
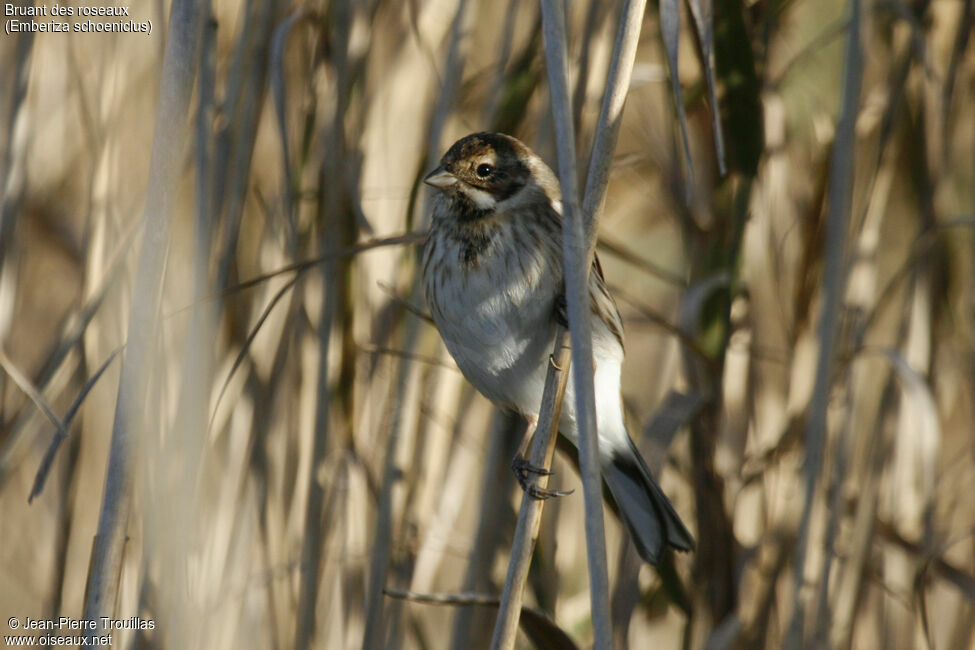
[(484, 170)]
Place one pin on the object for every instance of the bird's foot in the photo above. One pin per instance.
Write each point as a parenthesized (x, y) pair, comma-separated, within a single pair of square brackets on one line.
[(524, 472), (542, 494)]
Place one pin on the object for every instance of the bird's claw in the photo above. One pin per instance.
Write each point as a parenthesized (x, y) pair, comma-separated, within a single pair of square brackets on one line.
[(523, 469), (541, 494)]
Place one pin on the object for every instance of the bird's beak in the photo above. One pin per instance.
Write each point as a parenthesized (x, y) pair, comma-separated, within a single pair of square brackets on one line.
[(440, 178)]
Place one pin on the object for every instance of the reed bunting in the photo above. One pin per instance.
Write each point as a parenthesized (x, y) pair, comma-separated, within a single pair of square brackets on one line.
[(492, 272)]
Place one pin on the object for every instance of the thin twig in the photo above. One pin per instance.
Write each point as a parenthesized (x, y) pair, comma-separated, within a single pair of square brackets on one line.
[(276, 74), (409, 356), (405, 303), (832, 31), (304, 265), (681, 335), (27, 387), (530, 515), (61, 434), (702, 13), (670, 33), (245, 348), (620, 251), (71, 334), (465, 598), (610, 118), (538, 627)]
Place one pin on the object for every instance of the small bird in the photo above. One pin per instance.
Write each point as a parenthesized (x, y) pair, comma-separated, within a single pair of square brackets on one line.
[(492, 274)]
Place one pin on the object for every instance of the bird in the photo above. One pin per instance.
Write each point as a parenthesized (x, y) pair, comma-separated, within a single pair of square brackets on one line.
[(493, 280)]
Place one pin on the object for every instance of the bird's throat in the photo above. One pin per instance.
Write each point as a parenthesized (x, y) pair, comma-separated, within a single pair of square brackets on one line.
[(466, 210)]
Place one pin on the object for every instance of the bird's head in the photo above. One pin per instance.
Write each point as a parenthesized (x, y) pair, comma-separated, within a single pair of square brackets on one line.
[(491, 171)]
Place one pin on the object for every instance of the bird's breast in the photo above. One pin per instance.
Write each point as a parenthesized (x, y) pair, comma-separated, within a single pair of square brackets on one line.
[(495, 314)]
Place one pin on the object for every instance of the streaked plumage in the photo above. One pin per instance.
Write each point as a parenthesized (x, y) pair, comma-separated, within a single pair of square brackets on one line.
[(492, 271)]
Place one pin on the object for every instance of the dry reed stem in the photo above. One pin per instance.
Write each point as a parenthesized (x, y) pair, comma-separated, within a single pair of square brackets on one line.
[(670, 32), (576, 259), (179, 70), (375, 625), (530, 514), (834, 283), (607, 131), (611, 117)]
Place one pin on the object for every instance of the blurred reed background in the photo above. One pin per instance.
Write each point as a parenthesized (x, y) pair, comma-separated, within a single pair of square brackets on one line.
[(299, 440)]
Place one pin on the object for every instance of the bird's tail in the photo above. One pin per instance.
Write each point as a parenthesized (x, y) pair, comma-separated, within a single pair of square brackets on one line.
[(644, 508)]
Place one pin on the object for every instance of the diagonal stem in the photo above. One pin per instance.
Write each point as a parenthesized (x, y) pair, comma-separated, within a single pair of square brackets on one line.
[(530, 515)]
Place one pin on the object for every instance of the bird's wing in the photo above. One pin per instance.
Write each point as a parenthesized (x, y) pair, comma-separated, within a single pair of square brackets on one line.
[(601, 300), (603, 305)]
